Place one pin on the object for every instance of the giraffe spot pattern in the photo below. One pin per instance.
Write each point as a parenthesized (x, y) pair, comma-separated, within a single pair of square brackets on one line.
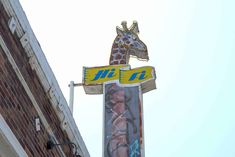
[(122, 51), (115, 51), (122, 61), (115, 45), (118, 56), (115, 62)]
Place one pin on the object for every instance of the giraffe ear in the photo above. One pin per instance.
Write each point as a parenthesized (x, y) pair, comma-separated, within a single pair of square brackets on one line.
[(119, 31)]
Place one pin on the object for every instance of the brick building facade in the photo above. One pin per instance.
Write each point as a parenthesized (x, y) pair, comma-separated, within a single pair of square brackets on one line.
[(33, 109)]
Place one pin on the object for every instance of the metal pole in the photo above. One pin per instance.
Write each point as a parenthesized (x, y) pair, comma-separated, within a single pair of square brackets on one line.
[(71, 96)]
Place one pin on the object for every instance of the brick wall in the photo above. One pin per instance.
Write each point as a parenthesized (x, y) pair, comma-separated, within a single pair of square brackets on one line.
[(15, 105)]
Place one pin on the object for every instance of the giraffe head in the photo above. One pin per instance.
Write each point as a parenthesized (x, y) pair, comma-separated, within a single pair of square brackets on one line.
[(127, 43)]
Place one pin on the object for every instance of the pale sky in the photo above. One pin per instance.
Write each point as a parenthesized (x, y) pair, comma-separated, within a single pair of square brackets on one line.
[(191, 44)]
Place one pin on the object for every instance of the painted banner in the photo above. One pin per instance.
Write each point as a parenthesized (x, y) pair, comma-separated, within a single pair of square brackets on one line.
[(137, 75), (123, 133), (99, 75), (94, 77)]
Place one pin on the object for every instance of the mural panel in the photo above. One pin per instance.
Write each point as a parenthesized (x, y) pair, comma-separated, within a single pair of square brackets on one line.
[(123, 121)]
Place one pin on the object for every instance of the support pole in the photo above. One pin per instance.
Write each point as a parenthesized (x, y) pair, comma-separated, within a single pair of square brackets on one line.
[(71, 96)]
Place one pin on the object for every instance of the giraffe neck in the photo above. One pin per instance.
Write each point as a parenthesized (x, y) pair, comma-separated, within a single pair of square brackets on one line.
[(119, 53)]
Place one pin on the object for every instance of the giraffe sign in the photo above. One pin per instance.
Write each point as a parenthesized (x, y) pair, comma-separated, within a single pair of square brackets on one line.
[(123, 90)]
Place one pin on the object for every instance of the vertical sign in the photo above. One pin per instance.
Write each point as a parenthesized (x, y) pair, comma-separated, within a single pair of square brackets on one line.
[(123, 121)]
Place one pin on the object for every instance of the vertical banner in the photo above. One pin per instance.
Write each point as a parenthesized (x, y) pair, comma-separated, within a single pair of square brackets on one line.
[(123, 131)]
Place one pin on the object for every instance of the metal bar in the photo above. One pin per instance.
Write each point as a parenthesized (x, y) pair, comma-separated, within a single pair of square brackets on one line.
[(71, 96)]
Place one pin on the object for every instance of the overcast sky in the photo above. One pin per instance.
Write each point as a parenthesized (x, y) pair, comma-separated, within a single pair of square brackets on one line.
[(191, 44)]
